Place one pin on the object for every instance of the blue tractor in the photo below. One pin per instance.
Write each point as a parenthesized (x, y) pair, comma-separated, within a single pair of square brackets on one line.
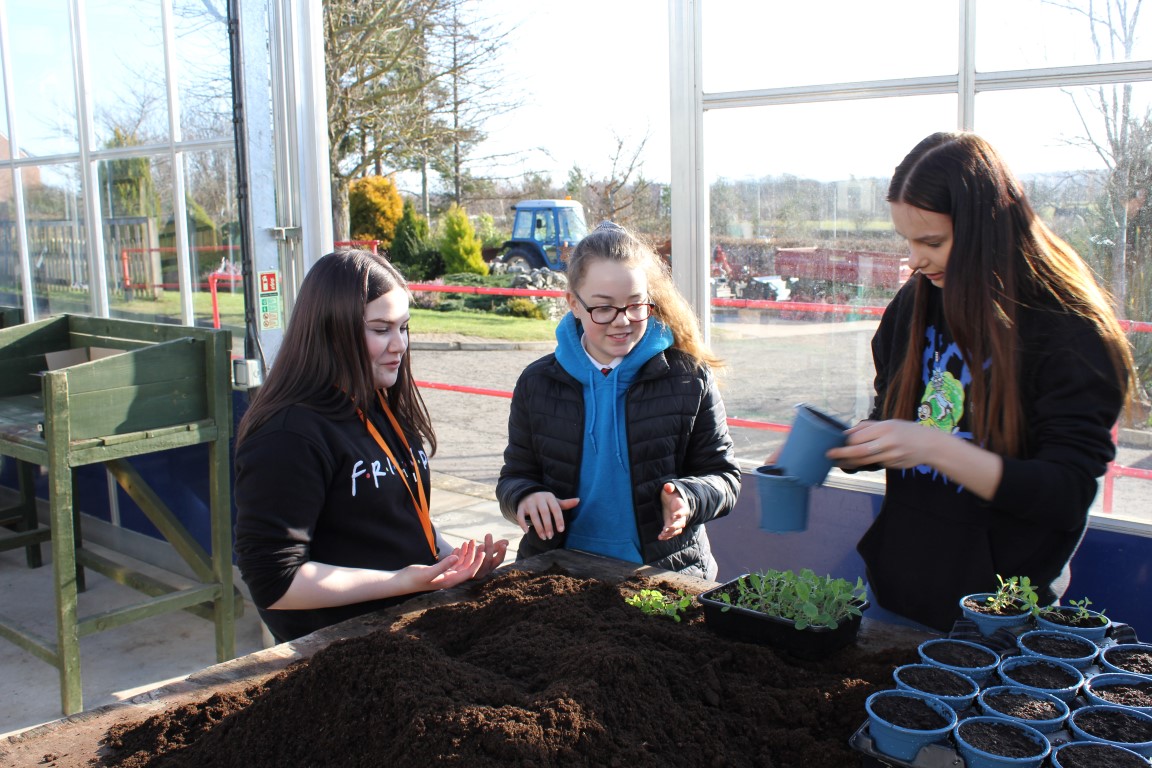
[(543, 233)]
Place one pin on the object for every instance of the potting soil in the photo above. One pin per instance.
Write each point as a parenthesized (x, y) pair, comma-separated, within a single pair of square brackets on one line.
[(537, 670)]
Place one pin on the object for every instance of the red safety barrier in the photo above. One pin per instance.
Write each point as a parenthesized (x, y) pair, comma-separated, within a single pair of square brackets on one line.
[(364, 245), (214, 278)]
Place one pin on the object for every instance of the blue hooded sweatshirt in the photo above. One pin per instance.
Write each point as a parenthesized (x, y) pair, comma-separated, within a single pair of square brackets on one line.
[(605, 520)]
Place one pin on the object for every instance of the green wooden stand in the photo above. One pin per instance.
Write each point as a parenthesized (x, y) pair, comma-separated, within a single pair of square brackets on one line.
[(169, 388)]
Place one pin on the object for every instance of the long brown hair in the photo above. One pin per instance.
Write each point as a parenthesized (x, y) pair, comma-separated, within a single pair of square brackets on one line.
[(323, 360), (615, 243), (1003, 258)]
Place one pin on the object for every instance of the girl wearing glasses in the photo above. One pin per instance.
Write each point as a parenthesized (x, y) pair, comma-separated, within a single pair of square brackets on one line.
[(618, 442)]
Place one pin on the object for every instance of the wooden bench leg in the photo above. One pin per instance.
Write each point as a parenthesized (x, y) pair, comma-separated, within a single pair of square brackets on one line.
[(224, 613), (77, 533), (26, 476), (64, 574)]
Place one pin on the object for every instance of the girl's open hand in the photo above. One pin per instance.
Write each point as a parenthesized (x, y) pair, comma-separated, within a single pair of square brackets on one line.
[(676, 512)]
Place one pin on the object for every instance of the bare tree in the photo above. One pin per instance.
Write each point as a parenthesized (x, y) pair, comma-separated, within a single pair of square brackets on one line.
[(466, 50), (394, 100), (616, 197), (1119, 131)]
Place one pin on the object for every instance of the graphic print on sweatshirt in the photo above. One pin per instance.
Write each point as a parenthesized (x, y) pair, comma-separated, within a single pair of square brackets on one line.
[(946, 378), (371, 471)]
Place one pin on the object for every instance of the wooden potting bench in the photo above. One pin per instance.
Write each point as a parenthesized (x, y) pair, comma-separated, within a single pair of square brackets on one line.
[(168, 387)]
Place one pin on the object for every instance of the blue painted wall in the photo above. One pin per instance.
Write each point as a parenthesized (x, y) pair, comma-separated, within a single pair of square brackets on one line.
[(1114, 570)]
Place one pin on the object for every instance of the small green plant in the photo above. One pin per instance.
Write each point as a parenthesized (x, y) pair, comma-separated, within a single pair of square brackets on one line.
[(1014, 595), (803, 598), (1075, 612), (656, 603)]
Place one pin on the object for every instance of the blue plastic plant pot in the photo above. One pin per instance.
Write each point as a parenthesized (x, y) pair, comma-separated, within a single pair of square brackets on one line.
[(1096, 632), (813, 434), (1095, 753), (1097, 684), (1013, 672), (783, 501), (958, 702), (1111, 658), (987, 699), (904, 743), (988, 623), (1080, 724), (975, 757), (1064, 640), (981, 672)]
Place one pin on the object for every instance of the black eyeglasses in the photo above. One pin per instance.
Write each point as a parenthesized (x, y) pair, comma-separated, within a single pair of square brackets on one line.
[(606, 313)]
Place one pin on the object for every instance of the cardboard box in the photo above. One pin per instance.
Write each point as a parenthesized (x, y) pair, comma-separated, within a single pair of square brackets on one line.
[(70, 357)]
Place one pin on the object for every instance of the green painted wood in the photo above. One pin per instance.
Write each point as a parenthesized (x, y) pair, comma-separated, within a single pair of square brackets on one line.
[(171, 388), (160, 516), (179, 361), (56, 435), (149, 585), (173, 601), (28, 640), (10, 316), (137, 409)]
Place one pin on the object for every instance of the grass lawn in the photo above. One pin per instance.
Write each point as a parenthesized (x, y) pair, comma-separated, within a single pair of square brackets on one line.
[(483, 324), (166, 308)]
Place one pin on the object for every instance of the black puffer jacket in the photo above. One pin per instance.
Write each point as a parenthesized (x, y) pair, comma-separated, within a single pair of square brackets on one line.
[(677, 432)]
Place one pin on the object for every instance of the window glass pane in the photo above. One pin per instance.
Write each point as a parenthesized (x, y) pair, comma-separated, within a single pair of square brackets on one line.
[(750, 44), (203, 74), (44, 101), (214, 230), (10, 294), (126, 61), (1095, 196), (57, 240), (136, 204), (799, 216), (1059, 34)]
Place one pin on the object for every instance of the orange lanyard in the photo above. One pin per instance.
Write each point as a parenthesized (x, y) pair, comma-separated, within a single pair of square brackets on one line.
[(419, 497)]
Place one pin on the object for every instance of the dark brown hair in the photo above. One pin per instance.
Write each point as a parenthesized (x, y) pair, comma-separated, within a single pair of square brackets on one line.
[(323, 360), (1003, 257), (615, 243)]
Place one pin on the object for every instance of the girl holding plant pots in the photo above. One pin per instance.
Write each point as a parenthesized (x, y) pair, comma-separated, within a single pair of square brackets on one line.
[(1000, 371)]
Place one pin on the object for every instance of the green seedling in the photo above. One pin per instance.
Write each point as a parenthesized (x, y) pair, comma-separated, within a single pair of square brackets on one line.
[(656, 603), (1015, 594), (1080, 615), (802, 598)]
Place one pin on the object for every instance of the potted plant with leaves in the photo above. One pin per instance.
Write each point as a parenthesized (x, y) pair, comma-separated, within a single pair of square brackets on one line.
[(808, 615), (1010, 606), (1075, 618)]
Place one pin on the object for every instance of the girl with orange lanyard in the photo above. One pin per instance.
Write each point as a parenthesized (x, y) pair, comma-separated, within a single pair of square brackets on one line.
[(332, 475)]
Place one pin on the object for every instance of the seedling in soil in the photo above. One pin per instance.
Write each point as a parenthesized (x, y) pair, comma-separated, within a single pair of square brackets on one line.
[(656, 603), (802, 598), (1074, 614), (1014, 595)]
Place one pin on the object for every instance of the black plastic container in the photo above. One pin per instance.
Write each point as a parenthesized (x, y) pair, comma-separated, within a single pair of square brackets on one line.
[(750, 626)]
